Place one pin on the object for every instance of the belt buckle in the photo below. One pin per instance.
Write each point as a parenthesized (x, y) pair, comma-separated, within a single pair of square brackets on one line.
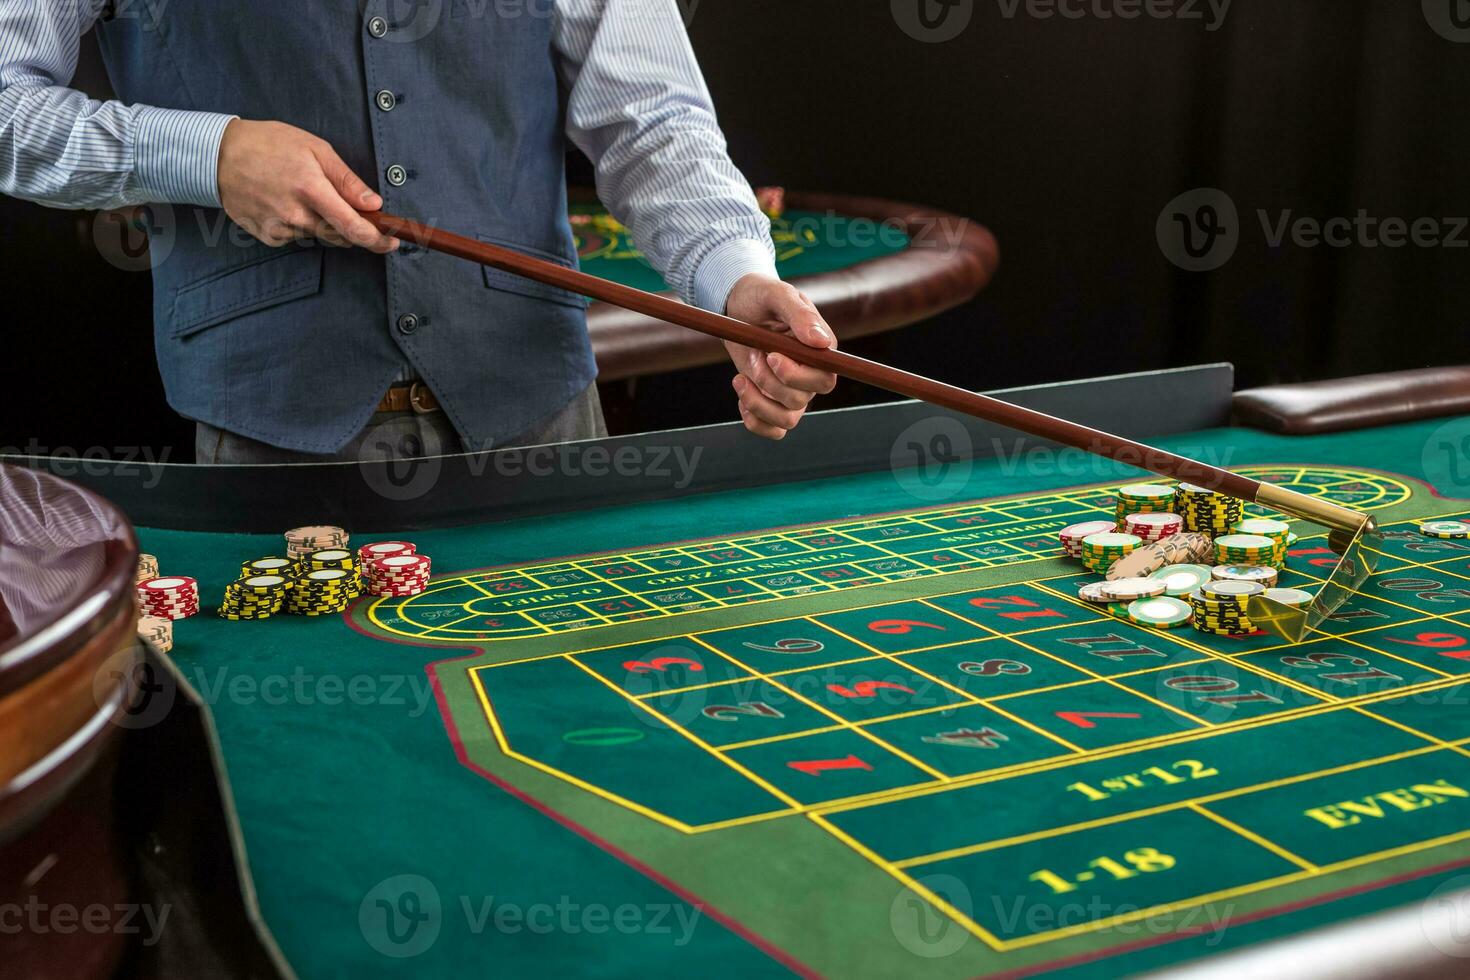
[(418, 393)]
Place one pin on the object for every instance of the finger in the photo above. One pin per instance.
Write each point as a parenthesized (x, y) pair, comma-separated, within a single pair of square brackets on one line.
[(807, 325), (357, 196), (346, 220), (347, 184), (799, 376), (764, 408), (762, 429), (766, 381)]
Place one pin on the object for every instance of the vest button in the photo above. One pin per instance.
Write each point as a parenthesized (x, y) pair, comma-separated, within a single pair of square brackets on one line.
[(408, 323), (397, 176), (387, 101), (377, 27)]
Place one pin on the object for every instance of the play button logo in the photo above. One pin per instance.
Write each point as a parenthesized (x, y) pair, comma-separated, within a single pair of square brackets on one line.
[(1450, 19), (933, 21)]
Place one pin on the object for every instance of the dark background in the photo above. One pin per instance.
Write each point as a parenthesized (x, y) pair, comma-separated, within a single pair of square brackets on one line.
[(1067, 137)]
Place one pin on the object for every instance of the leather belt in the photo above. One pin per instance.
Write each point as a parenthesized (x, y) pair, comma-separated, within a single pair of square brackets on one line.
[(415, 397)]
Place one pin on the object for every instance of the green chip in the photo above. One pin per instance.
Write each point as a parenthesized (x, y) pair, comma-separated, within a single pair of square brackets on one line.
[(1445, 529), (1146, 492), (1164, 611), (1182, 579), (1110, 540), (1290, 597)]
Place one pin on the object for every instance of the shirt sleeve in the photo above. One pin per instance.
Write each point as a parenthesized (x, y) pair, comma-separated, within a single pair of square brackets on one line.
[(638, 106), (60, 148)]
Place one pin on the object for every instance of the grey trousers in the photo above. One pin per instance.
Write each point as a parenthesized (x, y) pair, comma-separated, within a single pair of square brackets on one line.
[(403, 435)]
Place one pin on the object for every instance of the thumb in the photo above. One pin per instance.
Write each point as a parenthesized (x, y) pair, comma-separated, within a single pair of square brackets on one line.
[(807, 325), (352, 188)]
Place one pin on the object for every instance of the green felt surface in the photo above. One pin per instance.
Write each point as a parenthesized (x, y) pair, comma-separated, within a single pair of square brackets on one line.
[(354, 803), (808, 243)]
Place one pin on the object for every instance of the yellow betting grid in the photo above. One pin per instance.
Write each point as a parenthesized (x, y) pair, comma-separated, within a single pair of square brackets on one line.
[(596, 591), (820, 813)]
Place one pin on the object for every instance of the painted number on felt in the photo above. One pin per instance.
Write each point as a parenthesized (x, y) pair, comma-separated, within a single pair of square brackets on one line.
[(1144, 860), (1183, 771)]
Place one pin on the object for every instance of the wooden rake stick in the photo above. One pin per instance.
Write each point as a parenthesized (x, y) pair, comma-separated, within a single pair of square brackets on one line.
[(1038, 424)]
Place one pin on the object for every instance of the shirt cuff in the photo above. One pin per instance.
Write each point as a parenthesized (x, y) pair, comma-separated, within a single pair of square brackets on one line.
[(176, 155), (726, 265)]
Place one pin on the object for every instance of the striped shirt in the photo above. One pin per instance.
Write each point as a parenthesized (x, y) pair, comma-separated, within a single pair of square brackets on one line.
[(637, 106)]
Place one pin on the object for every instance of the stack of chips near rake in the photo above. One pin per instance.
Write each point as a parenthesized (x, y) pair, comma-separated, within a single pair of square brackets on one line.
[(1206, 510), (1257, 541), (1142, 498), (1153, 526), (1099, 551)]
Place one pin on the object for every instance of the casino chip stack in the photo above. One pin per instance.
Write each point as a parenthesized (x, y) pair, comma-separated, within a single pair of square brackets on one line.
[(270, 566), (1181, 580), (323, 591), (255, 597), (1164, 612), (1154, 526), (1143, 498), (397, 575), (1260, 574), (147, 568), (1099, 551), (1205, 510), (1445, 529), (1219, 607), (174, 597), (302, 541), (157, 631), (1249, 549), (1072, 537)]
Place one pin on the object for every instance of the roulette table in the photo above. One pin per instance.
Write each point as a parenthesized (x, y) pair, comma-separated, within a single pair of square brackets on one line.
[(688, 702)]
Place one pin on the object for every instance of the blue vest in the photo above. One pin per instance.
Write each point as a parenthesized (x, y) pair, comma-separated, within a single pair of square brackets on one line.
[(296, 346)]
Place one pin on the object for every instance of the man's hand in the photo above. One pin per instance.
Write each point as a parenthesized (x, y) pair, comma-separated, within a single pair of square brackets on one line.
[(774, 390), (281, 183)]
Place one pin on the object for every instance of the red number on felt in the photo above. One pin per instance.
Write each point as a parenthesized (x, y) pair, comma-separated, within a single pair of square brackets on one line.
[(1082, 719), (1439, 642), (815, 767), (1329, 560), (866, 689), (660, 664), (1034, 609), (897, 627)]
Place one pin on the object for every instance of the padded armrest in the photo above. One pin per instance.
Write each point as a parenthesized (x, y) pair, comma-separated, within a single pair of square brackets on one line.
[(1356, 403)]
